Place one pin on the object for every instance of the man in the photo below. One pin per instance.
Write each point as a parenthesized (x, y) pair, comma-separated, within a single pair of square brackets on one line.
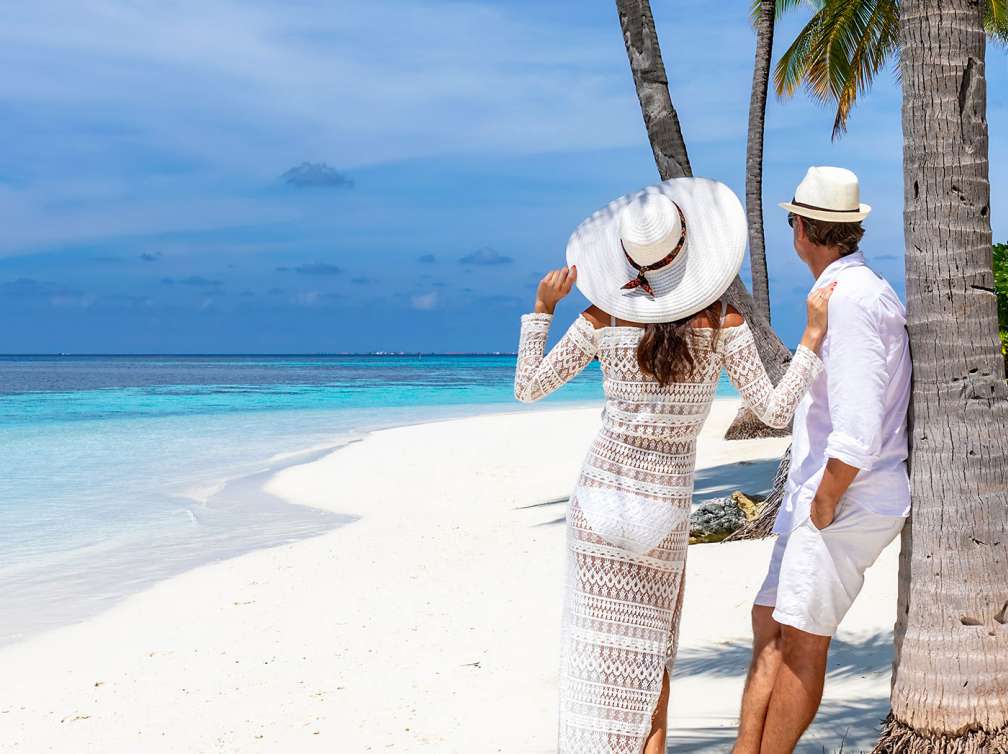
[(847, 493)]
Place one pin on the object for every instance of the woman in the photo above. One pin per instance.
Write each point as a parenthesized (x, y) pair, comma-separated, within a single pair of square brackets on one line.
[(654, 266)]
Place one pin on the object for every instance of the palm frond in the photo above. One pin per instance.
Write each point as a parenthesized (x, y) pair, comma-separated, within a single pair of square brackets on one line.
[(996, 20), (783, 6), (792, 68), (845, 44), (839, 52), (865, 36)]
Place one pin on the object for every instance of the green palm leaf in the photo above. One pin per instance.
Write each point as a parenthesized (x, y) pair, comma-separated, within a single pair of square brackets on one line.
[(783, 6), (995, 20), (839, 52), (793, 67), (844, 45)]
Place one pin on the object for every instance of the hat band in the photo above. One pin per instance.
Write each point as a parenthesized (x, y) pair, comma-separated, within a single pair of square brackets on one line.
[(641, 280), (797, 203)]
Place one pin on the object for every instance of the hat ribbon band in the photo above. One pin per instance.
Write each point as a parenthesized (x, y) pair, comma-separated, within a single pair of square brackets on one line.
[(641, 280), (797, 203)]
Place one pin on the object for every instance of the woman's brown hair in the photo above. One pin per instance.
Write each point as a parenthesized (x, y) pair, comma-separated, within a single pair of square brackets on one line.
[(665, 352)]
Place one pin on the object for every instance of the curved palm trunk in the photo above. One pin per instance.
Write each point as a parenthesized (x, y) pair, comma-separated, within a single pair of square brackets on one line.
[(746, 424), (950, 685), (660, 117), (672, 159), (754, 156)]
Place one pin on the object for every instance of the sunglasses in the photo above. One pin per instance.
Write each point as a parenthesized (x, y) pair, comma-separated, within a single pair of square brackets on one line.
[(790, 219)]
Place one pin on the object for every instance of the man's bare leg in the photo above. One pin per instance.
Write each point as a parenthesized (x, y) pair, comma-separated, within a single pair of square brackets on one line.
[(655, 743), (766, 659), (797, 690)]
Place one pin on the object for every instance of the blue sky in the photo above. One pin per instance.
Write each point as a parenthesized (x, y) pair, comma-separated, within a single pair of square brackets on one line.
[(151, 201)]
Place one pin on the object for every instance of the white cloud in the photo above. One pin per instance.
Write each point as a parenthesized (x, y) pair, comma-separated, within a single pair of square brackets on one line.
[(314, 81), (72, 300), (307, 298), (425, 301)]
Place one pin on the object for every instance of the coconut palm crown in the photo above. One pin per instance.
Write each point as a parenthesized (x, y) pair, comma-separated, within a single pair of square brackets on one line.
[(845, 44)]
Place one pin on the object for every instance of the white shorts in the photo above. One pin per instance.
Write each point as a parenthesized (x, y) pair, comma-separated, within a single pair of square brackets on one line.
[(815, 575)]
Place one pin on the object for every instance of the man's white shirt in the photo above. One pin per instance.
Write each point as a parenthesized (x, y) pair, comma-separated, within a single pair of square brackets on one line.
[(856, 410)]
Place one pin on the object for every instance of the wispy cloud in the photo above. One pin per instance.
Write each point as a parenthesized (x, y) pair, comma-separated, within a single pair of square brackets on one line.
[(316, 175), (313, 268), (30, 287), (425, 301), (150, 257), (427, 259), (55, 294), (72, 300), (193, 281), (485, 257), (307, 298)]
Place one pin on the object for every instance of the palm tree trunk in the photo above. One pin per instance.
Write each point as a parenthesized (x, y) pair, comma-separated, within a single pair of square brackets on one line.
[(754, 155), (672, 159), (660, 117), (950, 685)]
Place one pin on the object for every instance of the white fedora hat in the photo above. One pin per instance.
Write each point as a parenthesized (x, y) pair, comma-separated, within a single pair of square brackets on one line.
[(830, 194), (663, 253)]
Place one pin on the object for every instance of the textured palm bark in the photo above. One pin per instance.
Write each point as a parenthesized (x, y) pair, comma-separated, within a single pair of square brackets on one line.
[(754, 156), (660, 117), (950, 676), (669, 147)]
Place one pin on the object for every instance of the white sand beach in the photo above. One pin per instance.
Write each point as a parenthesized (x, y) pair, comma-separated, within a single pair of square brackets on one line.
[(430, 624)]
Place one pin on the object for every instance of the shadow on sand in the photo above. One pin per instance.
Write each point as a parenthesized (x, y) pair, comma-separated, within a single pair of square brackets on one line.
[(847, 725), (752, 477), (850, 723)]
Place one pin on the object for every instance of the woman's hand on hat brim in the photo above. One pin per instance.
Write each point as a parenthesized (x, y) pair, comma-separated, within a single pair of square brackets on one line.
[(554, 286)]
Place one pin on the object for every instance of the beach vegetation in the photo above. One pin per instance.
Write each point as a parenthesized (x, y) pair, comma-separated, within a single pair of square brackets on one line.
[(1001, 288)]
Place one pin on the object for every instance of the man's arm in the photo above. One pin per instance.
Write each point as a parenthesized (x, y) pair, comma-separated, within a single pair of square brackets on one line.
[(857, 379), (835, 481)]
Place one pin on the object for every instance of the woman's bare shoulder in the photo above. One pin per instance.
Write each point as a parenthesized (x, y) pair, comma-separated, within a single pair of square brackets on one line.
[(596, 317), (732, 317), (708, 318)]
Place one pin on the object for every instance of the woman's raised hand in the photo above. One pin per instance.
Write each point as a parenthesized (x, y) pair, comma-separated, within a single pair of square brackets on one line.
[(553, 287), (818, 317)]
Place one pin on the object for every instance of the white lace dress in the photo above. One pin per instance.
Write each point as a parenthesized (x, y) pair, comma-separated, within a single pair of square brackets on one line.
[(628, 517)]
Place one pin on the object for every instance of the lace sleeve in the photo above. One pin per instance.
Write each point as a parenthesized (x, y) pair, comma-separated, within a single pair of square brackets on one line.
[(536, 375), (773, 405)]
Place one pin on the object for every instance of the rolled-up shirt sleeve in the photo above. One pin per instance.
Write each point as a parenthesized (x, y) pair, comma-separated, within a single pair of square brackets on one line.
[(857, 379)]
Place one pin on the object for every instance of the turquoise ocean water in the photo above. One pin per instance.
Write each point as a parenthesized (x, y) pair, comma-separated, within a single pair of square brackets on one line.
[(119, 471)]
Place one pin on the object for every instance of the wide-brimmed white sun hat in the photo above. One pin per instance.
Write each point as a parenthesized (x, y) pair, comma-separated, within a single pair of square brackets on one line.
[(831, 194), (663, 253)]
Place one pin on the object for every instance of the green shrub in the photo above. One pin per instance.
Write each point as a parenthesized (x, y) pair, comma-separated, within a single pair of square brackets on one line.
[(1001, 286), (1001, 282)]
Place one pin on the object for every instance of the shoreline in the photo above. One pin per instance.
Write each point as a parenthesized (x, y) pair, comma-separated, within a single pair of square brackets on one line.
[(418, 628), (97, 577), (110, 572)]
